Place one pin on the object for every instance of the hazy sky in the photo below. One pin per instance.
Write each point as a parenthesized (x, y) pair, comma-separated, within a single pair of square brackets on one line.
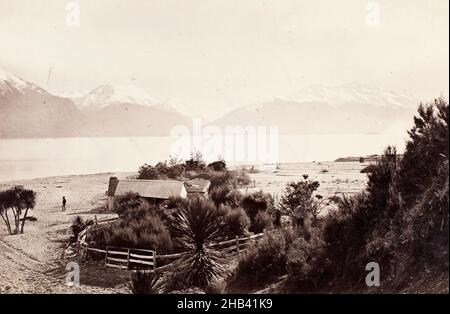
[(208, 56)]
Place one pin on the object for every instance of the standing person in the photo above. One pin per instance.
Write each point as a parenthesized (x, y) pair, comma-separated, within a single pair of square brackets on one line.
[(63, 209)]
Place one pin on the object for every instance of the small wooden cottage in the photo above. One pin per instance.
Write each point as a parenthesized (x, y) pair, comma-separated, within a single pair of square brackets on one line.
[(154, 191)]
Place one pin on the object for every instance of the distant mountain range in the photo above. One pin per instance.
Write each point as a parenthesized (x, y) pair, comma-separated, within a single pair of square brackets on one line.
[(353, 108), (27, 110)]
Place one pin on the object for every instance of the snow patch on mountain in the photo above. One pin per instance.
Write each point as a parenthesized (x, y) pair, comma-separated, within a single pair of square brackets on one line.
[(10, 83), (354, 93), (111, 94), (73, 95)]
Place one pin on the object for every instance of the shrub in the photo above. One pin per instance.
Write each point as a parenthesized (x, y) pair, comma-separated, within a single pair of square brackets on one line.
[(381, 183), (219, 165), (195, 225), (264, 261), (145, 231), (235, 222), (78, 225), (345, 233), (172, 169), (147, 172), (424, 236), (123, 203), (298, 196), (256, 202), (367, 169), (195, 162), (220, 179), (143, 282), (426, 149), (225, 195), (306, 261), (234, 179), (277, 218), (262, 221)]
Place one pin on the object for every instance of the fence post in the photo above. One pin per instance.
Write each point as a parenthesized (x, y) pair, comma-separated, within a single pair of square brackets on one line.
[(106, 257), (87, 252), (154, 261), (237, 243), (128, 259)]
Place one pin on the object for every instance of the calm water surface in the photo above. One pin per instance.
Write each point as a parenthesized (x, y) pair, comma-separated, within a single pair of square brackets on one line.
[(33, 158)]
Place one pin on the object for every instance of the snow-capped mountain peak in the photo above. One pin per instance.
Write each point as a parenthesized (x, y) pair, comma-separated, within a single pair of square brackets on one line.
[(72, 94), (10, 83), (110, 94), (354, 93)]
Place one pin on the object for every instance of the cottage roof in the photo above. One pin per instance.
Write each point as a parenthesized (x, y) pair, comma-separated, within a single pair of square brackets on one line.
[(161, 189)]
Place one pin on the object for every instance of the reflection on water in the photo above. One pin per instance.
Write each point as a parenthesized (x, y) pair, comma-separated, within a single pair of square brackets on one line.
[(32, 158)]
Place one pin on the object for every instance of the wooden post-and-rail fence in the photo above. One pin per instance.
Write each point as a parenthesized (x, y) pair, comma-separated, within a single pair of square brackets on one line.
[(130, 259), (126, 258), (141, 259)]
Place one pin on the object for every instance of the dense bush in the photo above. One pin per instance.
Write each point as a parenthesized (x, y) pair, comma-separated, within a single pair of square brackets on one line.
[(231, 178), (225, 195), (123, 203), (235, 222), (219, 165), (140, 228), (263, 262), (425, 235), (172, 169), (253, 203), (298, 196), (426, 150), (262, 221), (306, 261), (401, 221), (196, 162)]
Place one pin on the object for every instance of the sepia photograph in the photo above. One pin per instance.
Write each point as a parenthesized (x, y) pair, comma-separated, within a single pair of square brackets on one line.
[(221, 147)]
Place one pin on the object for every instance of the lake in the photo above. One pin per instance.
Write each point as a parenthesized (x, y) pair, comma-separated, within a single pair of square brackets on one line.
[(34, 158)]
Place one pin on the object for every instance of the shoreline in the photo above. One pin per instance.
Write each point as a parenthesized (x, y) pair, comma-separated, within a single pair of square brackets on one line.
[(231, 166)]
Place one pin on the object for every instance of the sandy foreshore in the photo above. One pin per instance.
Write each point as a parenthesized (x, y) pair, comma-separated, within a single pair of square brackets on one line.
[(30, 262)]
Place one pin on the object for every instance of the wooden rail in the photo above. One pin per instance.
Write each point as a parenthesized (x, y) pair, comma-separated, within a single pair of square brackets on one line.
[(130, 259), (134, 259)]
